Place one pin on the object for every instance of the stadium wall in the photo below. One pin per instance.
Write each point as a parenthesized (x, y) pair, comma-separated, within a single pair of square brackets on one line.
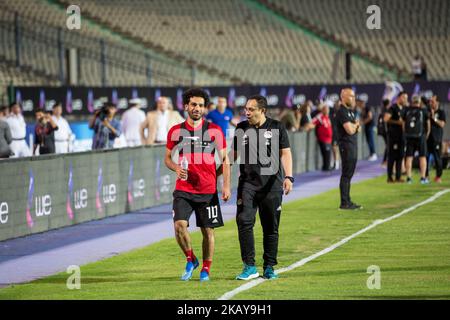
[(52, 191)]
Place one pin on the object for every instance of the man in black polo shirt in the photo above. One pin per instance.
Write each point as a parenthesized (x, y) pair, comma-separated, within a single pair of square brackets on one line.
[(417, 129), (434, 142), (395, 137), (348, 128), (265, 172)]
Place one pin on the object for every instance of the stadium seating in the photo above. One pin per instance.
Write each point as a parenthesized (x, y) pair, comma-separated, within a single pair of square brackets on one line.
[(240, 38), (233, 41), (126, 63), (408, 28)]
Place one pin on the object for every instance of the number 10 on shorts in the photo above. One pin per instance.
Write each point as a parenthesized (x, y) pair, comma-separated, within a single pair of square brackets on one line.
[(212, 212)]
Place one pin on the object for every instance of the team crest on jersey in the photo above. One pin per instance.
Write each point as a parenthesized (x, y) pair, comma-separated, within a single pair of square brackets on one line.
[(239, 202), (268, 134)]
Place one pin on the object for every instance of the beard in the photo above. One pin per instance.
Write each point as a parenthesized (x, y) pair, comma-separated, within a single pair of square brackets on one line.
[(195, 115)]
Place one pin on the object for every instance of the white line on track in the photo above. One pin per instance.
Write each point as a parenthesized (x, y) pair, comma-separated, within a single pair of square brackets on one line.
[(300, 263)]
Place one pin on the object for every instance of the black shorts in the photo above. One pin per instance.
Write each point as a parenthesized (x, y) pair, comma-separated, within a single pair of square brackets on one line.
[(416, 144), (206, 208)]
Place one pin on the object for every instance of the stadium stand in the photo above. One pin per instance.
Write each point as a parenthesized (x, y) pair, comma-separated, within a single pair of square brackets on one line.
[(127, 63), (10, 74), (240, 35), (408, 28), (229, 42)]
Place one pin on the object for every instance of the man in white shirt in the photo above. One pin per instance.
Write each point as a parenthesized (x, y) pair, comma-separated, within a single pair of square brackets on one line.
[(131, 123), (159, 122), (18, 128), (64, 134)]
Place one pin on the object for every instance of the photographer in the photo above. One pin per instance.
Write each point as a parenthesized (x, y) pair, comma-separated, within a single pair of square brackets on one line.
[(44, 133), (106, 128)]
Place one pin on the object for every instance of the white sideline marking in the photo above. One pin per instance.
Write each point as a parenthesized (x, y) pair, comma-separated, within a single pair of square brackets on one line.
[(300, 263)]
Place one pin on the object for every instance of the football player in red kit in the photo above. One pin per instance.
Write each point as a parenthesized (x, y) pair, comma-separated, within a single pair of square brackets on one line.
[(196, 141)]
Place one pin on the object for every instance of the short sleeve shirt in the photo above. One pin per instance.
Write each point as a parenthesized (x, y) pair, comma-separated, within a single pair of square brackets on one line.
[(221, 119), (324, 130), (259, 151), (436, 131), (395, 131), (343, 116), (199, 149)]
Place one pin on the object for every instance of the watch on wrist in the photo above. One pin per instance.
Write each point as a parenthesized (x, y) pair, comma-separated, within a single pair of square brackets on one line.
[(291, 179)]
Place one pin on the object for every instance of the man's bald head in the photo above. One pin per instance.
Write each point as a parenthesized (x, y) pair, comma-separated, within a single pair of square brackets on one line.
[(348, 97), (162, 104)]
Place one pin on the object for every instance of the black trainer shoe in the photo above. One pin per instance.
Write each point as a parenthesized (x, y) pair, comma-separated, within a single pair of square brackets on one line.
[(351, 206)]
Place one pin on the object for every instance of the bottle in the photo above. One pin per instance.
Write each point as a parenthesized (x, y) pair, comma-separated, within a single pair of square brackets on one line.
[(184, 165)]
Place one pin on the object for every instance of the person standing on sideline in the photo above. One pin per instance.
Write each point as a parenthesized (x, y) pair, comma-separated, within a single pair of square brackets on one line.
[(382, 128), (334, 142), (132, 120), (438, 120), (64, 134), (196, 141), (5, 134), (417, 130), (368, 120), (396, 137), (324, 133), (18, 129), (348, 128), (221, 116), (106, 127), (265, 172), (44, 132), (158, 122)]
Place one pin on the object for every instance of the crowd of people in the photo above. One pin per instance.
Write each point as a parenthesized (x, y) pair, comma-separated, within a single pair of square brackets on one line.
[(321, 119), (52, 133), (410, 130)]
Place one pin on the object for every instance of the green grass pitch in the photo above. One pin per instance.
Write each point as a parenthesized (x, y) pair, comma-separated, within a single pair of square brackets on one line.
[(412, 252)]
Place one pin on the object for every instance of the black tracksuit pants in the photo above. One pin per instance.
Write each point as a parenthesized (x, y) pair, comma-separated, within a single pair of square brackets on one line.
[(434, 148), (325, 150), (349, 156), (396, 153), (268, 205)]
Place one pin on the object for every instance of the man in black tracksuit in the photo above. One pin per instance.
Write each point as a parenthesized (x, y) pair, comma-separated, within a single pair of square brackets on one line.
[(265, 172), (417, 129), (395, 137), (437, 117), (348, 128)]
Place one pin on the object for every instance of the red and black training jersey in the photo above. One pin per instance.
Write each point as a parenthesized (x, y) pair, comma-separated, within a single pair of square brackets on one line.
[(198, 145), (324, 130)]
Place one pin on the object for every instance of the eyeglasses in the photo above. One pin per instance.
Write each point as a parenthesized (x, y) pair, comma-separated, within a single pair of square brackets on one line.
[(194, 104)]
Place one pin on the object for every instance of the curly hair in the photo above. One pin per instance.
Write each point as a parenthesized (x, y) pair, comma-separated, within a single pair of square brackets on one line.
[(195, 92)]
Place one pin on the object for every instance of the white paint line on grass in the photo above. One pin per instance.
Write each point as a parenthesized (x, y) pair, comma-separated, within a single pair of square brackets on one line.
[(301, 262)]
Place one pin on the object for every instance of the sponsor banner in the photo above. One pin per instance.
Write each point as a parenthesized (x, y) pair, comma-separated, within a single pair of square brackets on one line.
[(48, 192), (85, 100)]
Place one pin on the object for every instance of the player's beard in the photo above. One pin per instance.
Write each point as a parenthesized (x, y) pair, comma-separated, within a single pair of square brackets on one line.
[(195, 115)]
